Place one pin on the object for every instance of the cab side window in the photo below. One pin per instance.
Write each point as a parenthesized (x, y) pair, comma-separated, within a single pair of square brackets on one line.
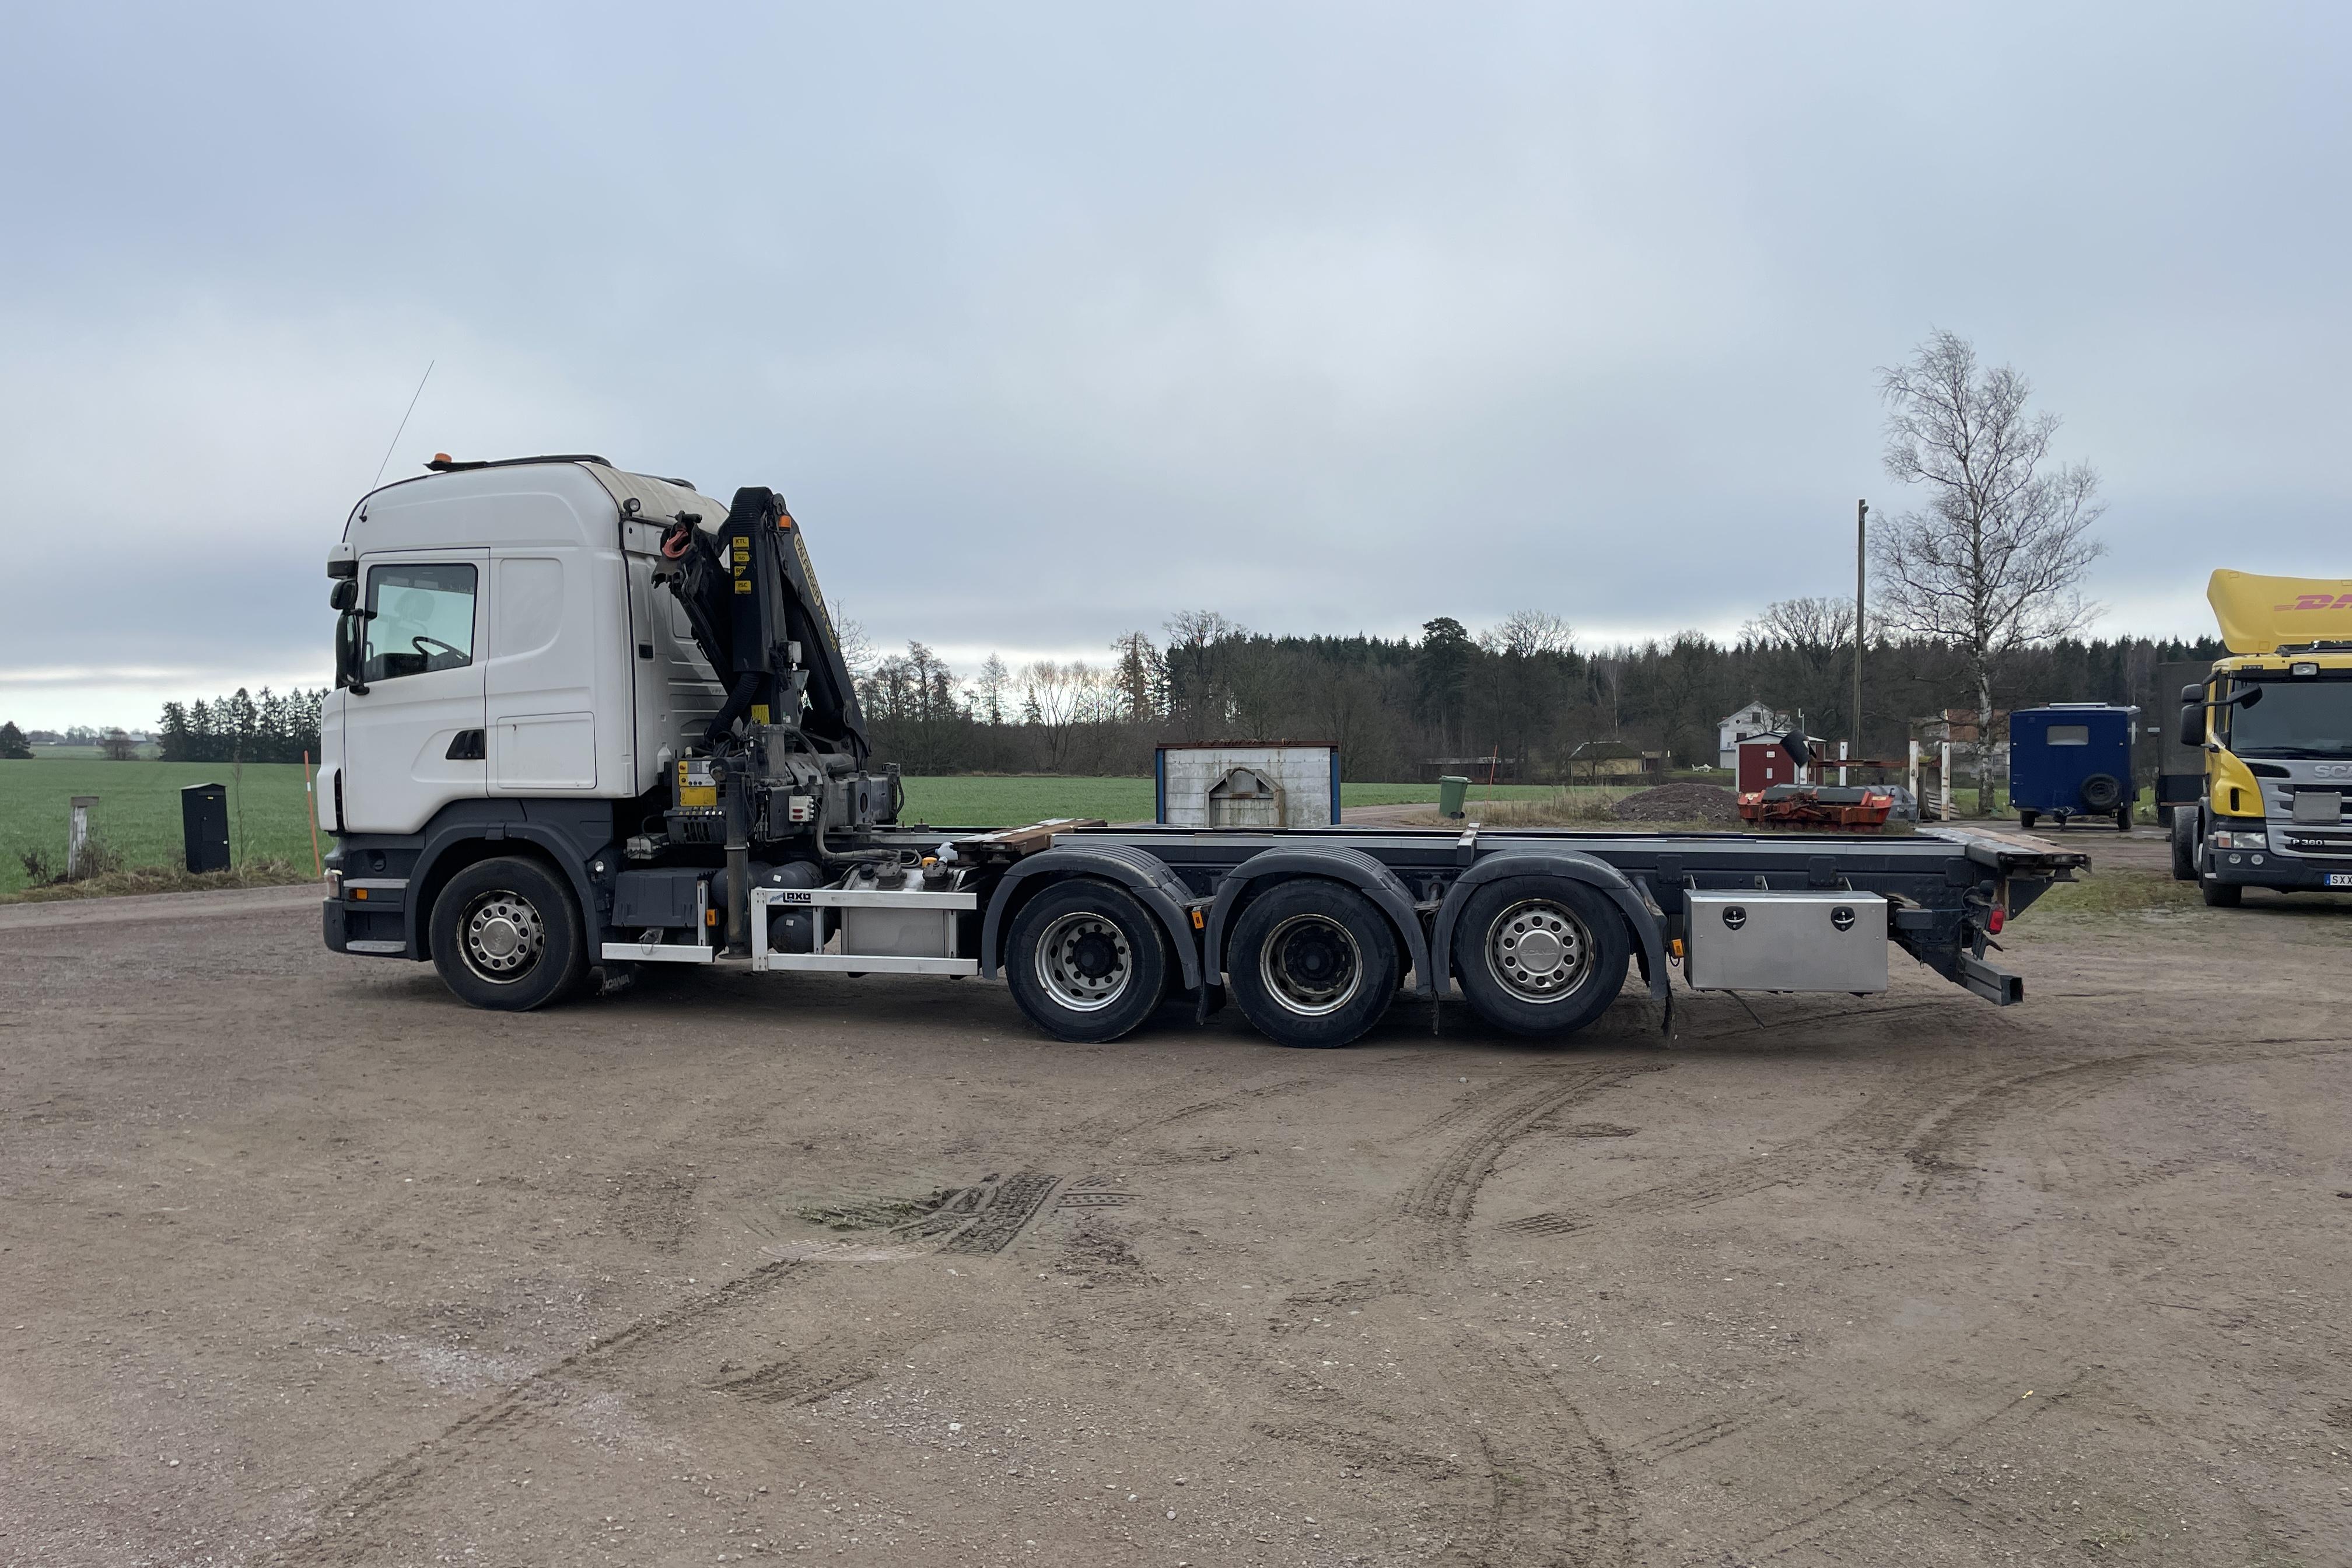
[(420, 618)]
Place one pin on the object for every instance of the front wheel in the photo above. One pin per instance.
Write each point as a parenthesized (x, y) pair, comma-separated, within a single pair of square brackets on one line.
[(1313, 962), (1085, 961), (507, 935), (2224, 895), (1540, 956)]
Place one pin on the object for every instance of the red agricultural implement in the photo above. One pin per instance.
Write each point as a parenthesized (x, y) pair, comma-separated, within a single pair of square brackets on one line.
[(1818, 805)]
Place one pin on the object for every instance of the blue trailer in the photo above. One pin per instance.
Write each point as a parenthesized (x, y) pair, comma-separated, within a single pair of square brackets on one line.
[(2070, 759)]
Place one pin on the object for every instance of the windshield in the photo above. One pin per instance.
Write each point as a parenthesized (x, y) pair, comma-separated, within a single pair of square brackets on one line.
[(2295, 719)]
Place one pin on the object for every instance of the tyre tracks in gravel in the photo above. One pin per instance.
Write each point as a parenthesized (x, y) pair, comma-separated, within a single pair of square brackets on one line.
[(1901, 1476), (1440, 1200), (1854, 1146), (1556, 1494), (348, 1527), (1941, 1140), (1925, 1125), (1947, 1152), (1547, 1490), (1532, 1485)]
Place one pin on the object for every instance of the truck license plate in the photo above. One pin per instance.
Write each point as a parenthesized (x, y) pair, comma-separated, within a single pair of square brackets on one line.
[(2339, 879)]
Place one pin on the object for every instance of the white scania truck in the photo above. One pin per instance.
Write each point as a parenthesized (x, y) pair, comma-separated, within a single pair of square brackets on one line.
[(585, 719)]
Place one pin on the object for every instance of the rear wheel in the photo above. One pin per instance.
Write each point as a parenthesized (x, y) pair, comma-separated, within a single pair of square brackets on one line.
[(2124, 817), (1085, 961), (1313, 962), (1540, 956), (507, 935), (2184, 843)]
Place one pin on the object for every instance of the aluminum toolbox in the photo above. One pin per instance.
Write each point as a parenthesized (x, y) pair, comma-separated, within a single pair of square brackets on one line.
[(1787, 942)]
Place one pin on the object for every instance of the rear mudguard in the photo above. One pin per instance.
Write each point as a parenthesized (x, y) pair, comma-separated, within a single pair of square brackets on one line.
[(1137, 870), (1649, 938), (1340, 864)]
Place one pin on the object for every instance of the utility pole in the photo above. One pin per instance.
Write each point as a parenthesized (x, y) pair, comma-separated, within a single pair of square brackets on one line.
[(1861, 557)]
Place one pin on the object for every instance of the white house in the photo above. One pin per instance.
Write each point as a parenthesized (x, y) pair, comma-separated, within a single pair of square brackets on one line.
[(1733, 728)]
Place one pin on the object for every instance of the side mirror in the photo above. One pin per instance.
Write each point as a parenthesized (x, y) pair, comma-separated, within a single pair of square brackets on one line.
[(2192, 717), (344, 595)]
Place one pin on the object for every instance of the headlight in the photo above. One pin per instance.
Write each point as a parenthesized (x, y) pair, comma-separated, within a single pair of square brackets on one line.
[(2242, 841)]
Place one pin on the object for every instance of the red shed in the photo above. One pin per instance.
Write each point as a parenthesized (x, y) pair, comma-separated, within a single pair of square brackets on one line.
[(1763, 764)]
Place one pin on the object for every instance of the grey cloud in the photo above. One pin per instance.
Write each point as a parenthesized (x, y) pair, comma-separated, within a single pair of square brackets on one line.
[(1051, 320)]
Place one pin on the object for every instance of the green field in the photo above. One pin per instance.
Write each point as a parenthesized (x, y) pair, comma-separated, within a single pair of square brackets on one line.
[(989, 801), (138, 810)]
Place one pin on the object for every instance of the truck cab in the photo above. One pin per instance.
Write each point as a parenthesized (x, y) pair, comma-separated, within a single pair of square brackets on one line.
[(507, 681), (2275, 724)]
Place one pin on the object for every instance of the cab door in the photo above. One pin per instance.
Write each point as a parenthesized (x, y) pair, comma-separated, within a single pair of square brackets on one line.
[(541, 674), (411, 723)]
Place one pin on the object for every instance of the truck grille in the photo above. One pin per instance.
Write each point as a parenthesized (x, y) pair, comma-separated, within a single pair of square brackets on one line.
[(2317, 843)]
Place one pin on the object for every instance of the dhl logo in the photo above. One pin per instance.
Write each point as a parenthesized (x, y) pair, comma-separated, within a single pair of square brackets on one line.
[(2318, 602)]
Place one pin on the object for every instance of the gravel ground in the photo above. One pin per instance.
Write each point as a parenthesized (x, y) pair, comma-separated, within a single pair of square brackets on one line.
[(300, 1262)]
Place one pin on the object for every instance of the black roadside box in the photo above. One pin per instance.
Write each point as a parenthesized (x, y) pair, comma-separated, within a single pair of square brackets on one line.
[(204, 818)]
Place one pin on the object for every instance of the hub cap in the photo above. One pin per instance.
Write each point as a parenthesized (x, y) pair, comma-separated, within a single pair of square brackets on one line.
[(1084, 962), (503, 935), (1310, 964), (1538, 950)]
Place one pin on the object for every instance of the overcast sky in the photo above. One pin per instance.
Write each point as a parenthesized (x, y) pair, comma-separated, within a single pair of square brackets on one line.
[(1051, 321)]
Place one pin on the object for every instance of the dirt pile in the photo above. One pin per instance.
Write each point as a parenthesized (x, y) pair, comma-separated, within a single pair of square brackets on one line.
[(1681, 803)]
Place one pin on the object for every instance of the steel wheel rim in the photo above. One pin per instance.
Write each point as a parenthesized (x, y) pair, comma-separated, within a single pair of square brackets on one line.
[(1539, 951), (1076, 944), (1291, 964), (502, 936)]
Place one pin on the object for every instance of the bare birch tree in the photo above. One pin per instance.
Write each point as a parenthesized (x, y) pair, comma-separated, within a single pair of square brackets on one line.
[(1994, 560), (1055, 701)]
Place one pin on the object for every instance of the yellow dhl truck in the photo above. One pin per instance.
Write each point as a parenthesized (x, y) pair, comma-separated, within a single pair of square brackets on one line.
[(2273, 719)]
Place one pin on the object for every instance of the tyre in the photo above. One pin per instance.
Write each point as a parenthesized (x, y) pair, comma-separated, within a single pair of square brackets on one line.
[(507, 935), (2124, 817), (2026, 819), (1312, 963), (1085, 961), (2224, 895), (2102, 794), (2184, 843), (1540, 956)]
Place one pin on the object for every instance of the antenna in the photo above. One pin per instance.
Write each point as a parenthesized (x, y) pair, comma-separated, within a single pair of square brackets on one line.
[(403, 423)]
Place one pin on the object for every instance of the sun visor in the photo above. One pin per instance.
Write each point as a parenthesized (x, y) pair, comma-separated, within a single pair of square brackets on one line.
[(2258, 614)]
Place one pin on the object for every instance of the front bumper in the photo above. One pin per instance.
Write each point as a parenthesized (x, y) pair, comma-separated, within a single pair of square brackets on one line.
[(364, 931), (2268, 869)]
